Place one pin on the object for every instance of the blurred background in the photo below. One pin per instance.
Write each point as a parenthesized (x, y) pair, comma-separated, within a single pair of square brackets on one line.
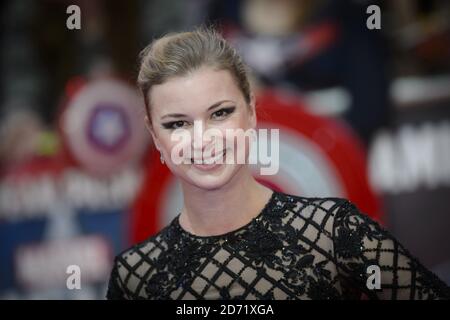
[(362, 100)]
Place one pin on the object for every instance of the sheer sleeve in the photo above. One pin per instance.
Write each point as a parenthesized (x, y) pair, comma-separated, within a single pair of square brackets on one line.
[(362, 248), (115, 289)]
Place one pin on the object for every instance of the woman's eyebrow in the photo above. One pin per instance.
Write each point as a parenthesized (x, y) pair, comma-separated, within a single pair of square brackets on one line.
[(174, 115), (181, 115), (217, 104)]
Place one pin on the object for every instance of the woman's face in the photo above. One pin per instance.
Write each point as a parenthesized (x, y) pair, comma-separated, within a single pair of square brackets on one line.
[(204, 101)]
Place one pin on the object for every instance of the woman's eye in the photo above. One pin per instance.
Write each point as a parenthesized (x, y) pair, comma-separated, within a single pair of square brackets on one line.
[(222, 113), (174, 124)]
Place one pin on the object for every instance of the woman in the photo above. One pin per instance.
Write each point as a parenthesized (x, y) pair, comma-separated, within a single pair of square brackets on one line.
[(235, 238)]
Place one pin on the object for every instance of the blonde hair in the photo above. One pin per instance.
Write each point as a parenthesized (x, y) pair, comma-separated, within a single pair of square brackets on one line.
[(177, 54)]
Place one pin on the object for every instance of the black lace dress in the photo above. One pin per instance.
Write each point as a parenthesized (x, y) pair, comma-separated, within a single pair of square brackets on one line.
[(296, 248)]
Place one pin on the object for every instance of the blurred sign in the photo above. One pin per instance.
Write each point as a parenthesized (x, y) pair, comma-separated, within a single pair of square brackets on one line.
[(103, 126), (410, 167), (40, 266), (56, 213), (53, 215)]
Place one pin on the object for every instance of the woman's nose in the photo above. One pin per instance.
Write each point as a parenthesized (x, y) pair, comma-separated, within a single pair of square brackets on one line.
[(197, 136), (203, 137)]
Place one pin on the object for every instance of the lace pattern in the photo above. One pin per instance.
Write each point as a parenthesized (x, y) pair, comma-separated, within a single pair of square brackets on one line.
[(296, 248)]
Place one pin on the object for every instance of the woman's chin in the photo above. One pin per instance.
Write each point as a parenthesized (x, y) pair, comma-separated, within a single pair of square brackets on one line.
[(210, 177)]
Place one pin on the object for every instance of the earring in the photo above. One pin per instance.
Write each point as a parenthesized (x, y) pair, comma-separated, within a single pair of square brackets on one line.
[(161, 158)]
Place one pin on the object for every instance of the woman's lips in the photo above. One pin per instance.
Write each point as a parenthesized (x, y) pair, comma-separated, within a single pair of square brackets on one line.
[(210, 163)]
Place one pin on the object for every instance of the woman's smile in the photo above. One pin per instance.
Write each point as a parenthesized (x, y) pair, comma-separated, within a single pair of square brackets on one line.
[(207, 164)]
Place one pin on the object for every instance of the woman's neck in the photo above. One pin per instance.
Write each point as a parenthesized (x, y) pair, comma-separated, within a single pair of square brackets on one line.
[(214, 212)]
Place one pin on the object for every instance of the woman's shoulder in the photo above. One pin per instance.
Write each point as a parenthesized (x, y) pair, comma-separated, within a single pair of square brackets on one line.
[(134, 264), (148, 249), (329, 215), (317, 208)]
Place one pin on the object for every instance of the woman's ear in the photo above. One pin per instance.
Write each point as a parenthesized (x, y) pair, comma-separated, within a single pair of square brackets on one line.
[(149, 126)]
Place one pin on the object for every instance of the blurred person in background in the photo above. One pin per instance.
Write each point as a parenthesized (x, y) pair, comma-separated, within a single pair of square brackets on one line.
[(321, 46)]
